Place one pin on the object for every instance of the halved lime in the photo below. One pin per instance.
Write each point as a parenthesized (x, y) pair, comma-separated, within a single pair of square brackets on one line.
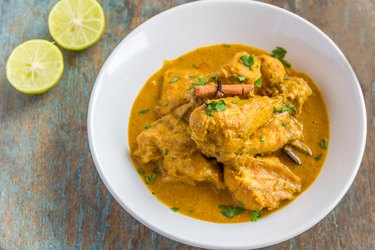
[(76, 24), (35, 66)]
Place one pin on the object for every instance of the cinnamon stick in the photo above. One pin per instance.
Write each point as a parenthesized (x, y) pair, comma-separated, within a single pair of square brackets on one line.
[(211, 91)]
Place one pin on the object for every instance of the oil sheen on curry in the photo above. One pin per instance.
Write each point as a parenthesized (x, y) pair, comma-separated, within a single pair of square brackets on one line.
[(228, 133)]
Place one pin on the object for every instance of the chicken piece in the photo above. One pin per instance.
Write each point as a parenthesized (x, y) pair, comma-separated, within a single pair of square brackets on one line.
[(261, 182), (282, 129), (233, 71), (273, 71), (222, 135), (295, 91), (168, 141), (175, 91), (183, 112)]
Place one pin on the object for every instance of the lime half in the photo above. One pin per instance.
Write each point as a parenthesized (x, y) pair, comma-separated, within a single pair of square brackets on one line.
[(76, 24), (35, 66)]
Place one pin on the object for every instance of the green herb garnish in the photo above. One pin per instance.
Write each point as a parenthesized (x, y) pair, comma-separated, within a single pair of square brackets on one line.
[(279, 53), (143, 111), (258, 82), (284, 124), (194, 66), (141, 171), (213, 79), (190, 211), (262, 138), (175, 209), (234, 101), (201, 82), (147, 126), (318, 157), (230, 211), (150, 179), (175, 79), (193, 76), (166, 151), (255, 215), (323, 143), (290, 110), (165, 104), (241, 78), (248, 60), (226, 45), (215, 106)]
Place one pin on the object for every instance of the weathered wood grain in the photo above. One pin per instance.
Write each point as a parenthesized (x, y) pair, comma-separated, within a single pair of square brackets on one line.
[(50, 193)]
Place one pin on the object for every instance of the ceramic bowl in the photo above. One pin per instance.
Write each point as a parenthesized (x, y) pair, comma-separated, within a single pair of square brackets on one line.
[(187, 27)]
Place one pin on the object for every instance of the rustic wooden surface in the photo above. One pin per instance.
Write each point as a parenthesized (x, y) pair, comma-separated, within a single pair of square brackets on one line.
[(50, 193)]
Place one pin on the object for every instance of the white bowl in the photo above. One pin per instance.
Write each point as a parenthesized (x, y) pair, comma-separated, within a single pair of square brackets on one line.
[(184, 28)]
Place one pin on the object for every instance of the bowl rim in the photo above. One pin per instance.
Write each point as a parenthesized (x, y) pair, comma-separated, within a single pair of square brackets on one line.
[(156, 228)]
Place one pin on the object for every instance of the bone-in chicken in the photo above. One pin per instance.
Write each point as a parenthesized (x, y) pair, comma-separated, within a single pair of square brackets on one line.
[(274, 135), (260, 182), (223, 134), (168, 142), (242, 67)]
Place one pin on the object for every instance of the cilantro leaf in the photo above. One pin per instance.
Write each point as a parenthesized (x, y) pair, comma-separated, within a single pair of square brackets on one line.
[(323, 143), (175, 209), (290, 110), (279, 53), (241, 78), (150, 179), (175, 79), (201, 82), (318, 157), (255, 215), (141, 171), (165, 104), (248, 60), (258, 82), (230, 211), (143, 111), (234, 101), (166, 151), (215, 106), (262, 138), (147, 126)]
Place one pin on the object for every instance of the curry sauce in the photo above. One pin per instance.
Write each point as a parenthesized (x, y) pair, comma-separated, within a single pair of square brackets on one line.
[(202, 200)]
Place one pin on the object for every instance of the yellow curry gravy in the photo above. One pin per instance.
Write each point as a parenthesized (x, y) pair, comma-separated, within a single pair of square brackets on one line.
[(202, 200)]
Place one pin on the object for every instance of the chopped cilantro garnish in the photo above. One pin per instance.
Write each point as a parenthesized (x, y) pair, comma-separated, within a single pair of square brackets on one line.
[(175, 209), (318, 157), (255, 215), (226, 45), (147, 126), (143, 111), (194, 66), (150, 179), (248, 60), (279, 53), (241, 78), (166, 151), (175, 79), (323, 143), (234, 101), (215, 106), (213, 79), (258, 82), (262, 138), (190, 211), (230, 211), (165, 104), (141, 171), (201, 82), (284, 124), (193, 76), (290, 110)]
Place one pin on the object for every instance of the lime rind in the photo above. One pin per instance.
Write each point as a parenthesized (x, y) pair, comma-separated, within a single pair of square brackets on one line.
[(76, 24), (35, 66)]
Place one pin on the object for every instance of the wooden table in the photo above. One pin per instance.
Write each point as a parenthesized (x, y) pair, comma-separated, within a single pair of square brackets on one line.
[(50, 193)]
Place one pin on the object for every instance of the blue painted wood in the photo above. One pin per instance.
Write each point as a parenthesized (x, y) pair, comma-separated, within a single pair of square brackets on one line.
[(51, 196)]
